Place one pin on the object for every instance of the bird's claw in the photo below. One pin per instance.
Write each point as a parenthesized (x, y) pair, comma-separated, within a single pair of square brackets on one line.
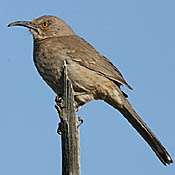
[(59, 104), (80, 120), (58, 99), (59, 130)]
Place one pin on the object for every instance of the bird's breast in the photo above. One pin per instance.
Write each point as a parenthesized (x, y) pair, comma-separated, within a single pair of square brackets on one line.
[(49, 66)]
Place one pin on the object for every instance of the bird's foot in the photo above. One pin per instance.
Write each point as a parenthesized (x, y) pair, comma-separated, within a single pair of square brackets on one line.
[(59, 104), (60, 126), (58, 99), (80, 121)]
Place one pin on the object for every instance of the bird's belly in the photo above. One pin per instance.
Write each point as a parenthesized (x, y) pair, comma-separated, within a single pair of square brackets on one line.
[(83, 79)]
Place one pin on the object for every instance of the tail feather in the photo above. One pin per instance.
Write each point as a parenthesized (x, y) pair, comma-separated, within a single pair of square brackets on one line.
[(129, 113)]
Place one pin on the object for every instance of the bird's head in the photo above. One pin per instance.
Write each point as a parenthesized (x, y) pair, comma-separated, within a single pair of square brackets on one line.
[(45, 27)]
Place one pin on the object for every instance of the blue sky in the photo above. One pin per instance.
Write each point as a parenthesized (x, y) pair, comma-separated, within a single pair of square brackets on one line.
[(139, 38)]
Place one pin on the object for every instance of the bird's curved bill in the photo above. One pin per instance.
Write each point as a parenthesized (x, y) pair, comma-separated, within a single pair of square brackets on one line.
[(27, 24)]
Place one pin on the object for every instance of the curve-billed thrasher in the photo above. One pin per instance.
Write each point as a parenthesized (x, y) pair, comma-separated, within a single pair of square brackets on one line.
[(93, 76)]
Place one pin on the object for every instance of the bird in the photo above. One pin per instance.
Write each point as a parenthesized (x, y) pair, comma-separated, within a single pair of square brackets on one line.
[(92, 75)]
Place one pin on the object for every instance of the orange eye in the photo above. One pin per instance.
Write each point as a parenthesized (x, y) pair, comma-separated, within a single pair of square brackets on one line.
[(45, 24)]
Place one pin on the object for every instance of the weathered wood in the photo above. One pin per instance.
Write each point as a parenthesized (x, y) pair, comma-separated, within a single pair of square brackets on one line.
[(68, 128)]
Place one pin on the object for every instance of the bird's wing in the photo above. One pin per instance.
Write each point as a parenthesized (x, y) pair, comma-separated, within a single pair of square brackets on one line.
[(82, 52)]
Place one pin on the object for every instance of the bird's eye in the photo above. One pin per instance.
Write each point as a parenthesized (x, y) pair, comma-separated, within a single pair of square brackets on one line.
[(44, 25)]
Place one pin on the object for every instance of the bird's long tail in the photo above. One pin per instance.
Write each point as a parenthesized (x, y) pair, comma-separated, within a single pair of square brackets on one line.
[(122, 104)]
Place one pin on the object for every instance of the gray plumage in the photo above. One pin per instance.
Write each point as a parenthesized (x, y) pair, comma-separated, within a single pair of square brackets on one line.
[(92, 75)]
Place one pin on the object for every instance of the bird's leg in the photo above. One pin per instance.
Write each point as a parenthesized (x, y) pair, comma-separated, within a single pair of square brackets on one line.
[(78, 106), (59, 106), (78, 101)]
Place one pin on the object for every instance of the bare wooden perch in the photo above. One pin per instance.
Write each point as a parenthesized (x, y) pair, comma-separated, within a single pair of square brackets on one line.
[(68, 128)]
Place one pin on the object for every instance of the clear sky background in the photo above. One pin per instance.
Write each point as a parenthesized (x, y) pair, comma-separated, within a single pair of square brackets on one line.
[(139, 38)]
